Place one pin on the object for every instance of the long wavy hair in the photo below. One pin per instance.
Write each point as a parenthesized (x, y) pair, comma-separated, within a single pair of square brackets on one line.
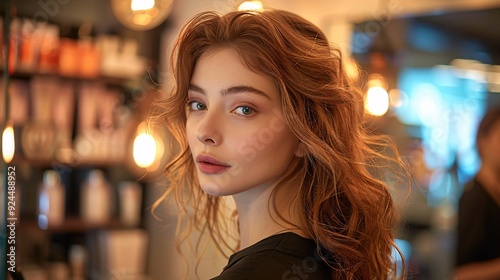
[(346, 208)]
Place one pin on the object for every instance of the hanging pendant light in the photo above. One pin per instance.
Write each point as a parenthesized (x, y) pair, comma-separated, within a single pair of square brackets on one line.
[(254, 6), (141, 14), (8, 143)]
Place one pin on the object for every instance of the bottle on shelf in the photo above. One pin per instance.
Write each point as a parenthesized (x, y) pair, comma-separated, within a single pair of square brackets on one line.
[(51, 201), (130, 195), (77, 261), (96, 198)]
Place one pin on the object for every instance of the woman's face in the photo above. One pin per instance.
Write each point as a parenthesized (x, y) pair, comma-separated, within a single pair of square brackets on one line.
[(235, 126), (490, 145)]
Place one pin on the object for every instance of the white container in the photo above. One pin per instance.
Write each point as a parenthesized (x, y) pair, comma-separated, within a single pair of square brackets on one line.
[(51, 201), (130, 203), (96, 197)]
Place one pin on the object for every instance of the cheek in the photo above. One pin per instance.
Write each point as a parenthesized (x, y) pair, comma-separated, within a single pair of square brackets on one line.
[(190, 132), (266, 142)]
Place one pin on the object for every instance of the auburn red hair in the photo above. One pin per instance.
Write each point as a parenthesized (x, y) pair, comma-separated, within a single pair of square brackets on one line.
[(347, 209)]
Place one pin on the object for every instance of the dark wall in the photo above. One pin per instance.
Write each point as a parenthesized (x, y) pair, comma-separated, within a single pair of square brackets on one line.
[(427, 40)]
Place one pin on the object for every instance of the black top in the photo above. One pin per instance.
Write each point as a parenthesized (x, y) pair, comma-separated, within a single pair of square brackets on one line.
[(284, 256), (478, 226)]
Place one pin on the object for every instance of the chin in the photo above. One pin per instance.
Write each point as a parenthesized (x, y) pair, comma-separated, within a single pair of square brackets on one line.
[(213, 189), (216, 185)]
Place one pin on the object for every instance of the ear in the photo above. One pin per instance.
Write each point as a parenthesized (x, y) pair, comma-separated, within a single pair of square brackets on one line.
[(300, 150)]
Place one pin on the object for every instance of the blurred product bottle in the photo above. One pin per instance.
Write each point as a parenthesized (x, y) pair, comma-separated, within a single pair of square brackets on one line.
[(130, 194), (15, 29), (49, 48), (96, 198), (77, 261), (68, 57), (1, 41), (51, 200), (90, 63), (29, 46)]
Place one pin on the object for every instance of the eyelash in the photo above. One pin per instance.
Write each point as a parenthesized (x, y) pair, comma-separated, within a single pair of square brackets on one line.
[(253, 111), (189, 105)]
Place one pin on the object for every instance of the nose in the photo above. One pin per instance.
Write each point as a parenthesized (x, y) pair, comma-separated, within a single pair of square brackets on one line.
[(208, 131)]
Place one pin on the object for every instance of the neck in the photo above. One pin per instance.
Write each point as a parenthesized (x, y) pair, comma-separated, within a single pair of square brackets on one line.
[(490, 179), (258, 218)]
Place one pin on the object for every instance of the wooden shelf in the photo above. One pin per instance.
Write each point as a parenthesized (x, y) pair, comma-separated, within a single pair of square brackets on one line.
[(74, 225), (110, 80), (53, 163)]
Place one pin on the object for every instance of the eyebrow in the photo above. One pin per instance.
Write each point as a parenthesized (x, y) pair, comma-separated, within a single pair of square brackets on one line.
[(232, 90)]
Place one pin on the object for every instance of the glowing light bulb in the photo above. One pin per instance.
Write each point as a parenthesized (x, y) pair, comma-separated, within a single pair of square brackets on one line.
[(377, 101), (142, 5), (251, 6), (141, 14), (8, 143), (144, 150)]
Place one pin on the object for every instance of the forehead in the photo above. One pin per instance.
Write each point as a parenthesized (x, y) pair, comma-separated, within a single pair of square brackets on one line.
[(224, 58), (223, 67)]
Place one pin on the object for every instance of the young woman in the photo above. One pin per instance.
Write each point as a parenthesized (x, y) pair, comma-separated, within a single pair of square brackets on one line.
[(478, 245), (264, 112)]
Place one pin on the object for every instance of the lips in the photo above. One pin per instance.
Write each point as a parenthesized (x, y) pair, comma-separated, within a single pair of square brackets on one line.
[(209, 165)]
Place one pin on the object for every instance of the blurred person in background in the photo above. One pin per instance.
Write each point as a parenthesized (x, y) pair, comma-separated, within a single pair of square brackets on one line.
[(478, 248)]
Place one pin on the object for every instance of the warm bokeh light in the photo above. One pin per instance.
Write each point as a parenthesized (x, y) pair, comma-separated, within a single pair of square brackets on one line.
[(142, 5), (396, 98), (351, 68), (141, 14), (142, 19), (8, 143), (251, 6), (377, 80), (377, 101), (144, 150), (147, 151)]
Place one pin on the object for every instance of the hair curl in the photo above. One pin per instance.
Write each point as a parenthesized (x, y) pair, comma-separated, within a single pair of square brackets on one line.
[(350, 212)]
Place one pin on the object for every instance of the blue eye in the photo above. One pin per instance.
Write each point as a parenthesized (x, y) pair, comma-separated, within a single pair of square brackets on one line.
[(196, 106), (244, 110)]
